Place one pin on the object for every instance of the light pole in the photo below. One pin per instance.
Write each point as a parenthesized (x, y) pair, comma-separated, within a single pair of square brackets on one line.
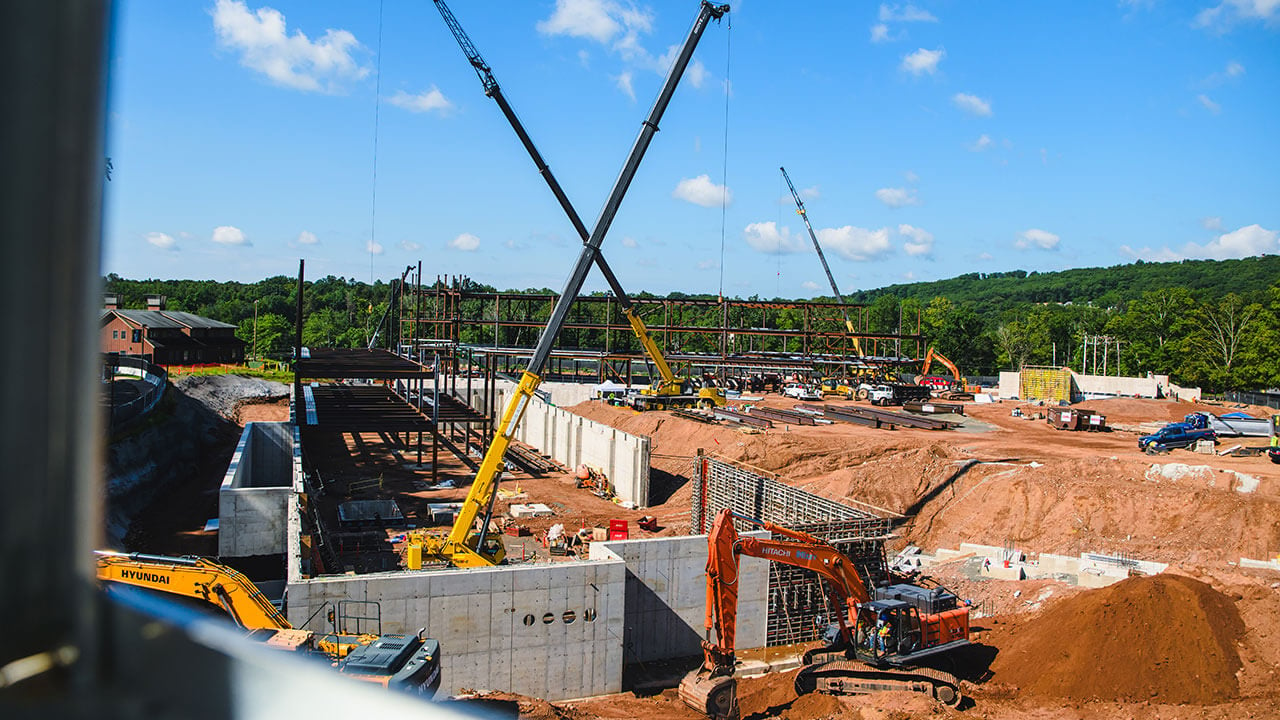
[(255, 330)]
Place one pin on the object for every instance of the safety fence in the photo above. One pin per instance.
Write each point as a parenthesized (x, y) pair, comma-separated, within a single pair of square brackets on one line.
[(1266, 399), (129, 401), (799, 606)]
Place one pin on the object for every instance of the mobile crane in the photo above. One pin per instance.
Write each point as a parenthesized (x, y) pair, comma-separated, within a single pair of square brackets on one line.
[(407, 662), (467, 545), (875, 644), (669, 391)]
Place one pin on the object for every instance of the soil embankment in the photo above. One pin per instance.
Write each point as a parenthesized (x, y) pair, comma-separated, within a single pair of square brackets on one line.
[(163, 474)]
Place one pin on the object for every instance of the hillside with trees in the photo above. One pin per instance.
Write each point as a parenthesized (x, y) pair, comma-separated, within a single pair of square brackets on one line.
[(1215, 324)]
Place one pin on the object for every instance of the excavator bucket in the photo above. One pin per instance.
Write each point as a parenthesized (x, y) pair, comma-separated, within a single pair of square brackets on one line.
[(715, 696)]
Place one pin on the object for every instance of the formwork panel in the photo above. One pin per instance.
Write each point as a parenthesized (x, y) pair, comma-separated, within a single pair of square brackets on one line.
[(798, 606)]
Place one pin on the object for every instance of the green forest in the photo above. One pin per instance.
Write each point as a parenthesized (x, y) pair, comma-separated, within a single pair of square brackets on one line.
[(1215, 324)]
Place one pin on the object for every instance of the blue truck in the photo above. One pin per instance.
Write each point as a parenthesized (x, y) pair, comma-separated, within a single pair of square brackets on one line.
[(1175, 435)]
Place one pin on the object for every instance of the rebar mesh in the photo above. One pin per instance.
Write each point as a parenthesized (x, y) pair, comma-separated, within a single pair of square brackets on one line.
[(798, 604)]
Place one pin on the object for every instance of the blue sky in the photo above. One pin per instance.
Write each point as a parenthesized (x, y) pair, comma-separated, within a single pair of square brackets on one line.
[(929, 139)]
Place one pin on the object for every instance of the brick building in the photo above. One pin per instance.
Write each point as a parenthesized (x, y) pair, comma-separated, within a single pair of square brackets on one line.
[(166, 336)]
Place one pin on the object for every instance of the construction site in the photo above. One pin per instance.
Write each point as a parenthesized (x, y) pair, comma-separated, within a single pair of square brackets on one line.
[(599, 506)]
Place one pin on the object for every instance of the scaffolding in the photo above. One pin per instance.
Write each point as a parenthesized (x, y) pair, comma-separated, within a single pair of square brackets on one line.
[(798, 606)]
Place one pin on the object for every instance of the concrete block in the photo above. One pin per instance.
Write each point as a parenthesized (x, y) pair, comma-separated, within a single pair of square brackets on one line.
[(1000, 572), (1096, 580)]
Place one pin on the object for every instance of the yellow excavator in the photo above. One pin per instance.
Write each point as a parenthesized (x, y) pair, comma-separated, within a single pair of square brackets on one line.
[(405, 662), (470, 543)]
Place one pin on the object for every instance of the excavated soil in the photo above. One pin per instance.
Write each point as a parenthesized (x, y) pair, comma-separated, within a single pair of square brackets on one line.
[(1167, 638)]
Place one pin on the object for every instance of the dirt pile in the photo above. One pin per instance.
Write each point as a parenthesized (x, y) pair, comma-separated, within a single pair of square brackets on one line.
[(1165, 638), (225, 393)]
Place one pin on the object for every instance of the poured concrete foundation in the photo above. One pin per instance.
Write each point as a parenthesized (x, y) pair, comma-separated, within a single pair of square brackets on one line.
[(255, 492)]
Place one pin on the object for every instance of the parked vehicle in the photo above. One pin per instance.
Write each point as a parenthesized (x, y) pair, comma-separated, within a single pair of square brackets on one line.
[(935, 382), (800, 391), (1176, 435)]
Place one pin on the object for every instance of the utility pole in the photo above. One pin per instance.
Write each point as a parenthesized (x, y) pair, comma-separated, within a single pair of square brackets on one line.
[(255, 330)]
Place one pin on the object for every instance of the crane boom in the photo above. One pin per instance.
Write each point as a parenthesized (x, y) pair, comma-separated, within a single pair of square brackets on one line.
[(857, 346), (494, 90), (462, 547)]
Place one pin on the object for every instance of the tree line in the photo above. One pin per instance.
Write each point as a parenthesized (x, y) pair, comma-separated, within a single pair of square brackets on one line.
[(1207, 323)]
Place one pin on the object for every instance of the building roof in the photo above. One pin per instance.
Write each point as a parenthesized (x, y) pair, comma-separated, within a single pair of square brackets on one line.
[(150, 318), (195, 321)]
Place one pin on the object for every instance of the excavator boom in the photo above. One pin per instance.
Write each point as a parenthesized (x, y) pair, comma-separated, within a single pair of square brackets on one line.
[(911, 622)]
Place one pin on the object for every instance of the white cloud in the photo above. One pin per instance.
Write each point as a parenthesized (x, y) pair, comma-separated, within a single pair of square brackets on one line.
[(810, 193), (307, 238), (1035, 237), (1234, 69), (708, 264), (923, 61), (897, 197), (982, 143), (1044, 156), (810, 285), (701, 191), (373, 247), (465, 242), (629, 242), (986, 256), (908, 275), (766, 238), (591, 19), (1245, 242), (1208, 104), (910, 176), (162, 241), (879, 33), (916, 241), (427, 101), (584, 57), (905, 13), (262, 40), (1211, 223), (623, 82), (854, 243), (229, 235), (972, 104), (1222, 16), (410, 245), (697, 73)]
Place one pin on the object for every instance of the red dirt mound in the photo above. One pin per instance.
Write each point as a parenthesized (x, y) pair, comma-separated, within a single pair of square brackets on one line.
[(1166, 638)]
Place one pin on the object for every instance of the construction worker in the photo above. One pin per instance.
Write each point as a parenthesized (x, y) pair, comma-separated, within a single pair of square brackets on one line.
[(883, 630)]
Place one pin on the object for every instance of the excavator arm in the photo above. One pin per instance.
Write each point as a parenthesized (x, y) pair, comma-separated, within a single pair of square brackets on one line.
[(712, 688), (198, 578), (932, 355)]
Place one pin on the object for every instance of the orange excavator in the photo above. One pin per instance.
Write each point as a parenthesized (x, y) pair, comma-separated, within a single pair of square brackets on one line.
[(960, 386), (875, 644)]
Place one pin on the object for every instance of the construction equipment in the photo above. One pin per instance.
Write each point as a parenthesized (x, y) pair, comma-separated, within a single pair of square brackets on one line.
[(857, 346), (875, 644), (669, 390), (466, 544), (959, 387), (407, 662)]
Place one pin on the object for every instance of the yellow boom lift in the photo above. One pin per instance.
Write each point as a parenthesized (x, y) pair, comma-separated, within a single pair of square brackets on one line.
[(399, 661), (471, 546)]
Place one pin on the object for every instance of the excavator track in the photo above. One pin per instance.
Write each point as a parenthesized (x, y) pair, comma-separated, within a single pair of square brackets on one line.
[(844, 677)]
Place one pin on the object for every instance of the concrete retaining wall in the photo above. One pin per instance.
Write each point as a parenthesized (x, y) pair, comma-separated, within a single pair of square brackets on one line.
[(574, 440), (503, 628), (255, 492), (666, 596), (1152, 386)]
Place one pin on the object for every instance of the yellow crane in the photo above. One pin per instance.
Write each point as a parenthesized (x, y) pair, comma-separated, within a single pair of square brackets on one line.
[(469, 545)]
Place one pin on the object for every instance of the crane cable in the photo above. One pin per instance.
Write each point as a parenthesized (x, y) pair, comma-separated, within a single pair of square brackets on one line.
[(377, 106), (724, 169)]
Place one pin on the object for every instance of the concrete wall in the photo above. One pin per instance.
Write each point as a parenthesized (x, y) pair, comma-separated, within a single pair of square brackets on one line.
[(666, 596), (1152, 386), (574, 440), (502, 628), (255, 492)]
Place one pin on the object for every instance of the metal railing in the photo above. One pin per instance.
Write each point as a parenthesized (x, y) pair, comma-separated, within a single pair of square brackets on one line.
[(1271, 400), (127, 403)]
